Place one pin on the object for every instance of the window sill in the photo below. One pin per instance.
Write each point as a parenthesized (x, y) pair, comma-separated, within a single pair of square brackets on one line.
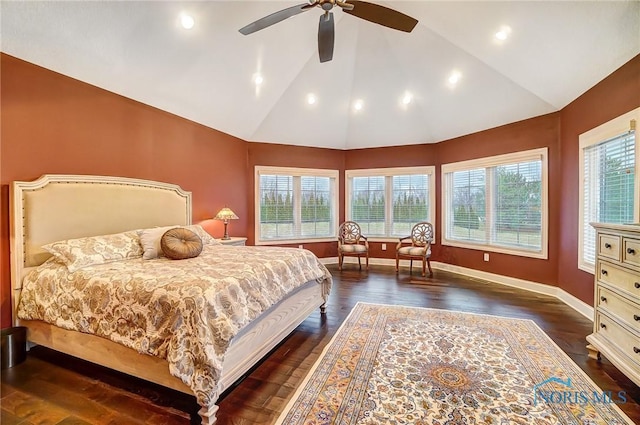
[(542, 255), (589, 268), (294, 241)]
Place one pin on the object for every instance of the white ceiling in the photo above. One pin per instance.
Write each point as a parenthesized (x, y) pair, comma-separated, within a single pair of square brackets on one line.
[(557, 51)]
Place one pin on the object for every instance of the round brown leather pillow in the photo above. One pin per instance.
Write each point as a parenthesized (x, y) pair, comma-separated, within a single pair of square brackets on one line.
[(180, 243)]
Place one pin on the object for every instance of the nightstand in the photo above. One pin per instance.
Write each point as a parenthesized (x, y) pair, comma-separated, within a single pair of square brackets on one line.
[(237, 241)]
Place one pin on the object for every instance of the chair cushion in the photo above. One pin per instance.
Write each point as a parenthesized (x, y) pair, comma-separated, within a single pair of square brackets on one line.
[(353, 248), (413, 251)]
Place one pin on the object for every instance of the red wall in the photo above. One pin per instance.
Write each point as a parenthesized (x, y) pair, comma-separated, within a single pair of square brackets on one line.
[(534, 133), (524, 135), (395, 156), (54, 124), (275, 155), (615, 95)]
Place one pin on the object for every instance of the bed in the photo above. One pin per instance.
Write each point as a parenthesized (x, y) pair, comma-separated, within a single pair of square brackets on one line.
[(68, 207)]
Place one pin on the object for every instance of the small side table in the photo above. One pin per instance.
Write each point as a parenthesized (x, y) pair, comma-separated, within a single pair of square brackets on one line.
[(237, 241)]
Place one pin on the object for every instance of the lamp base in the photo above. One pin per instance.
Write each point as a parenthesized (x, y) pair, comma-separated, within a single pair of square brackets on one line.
[(226, 236)]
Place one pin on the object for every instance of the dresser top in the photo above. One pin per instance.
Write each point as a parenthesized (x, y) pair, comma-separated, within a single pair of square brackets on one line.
[(631, 227)]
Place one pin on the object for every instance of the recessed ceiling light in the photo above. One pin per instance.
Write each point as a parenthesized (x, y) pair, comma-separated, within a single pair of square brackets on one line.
[(503, 33), (187, 21), (257, 79), (358, 105), (454, 78), (311, 99), (407, 98)]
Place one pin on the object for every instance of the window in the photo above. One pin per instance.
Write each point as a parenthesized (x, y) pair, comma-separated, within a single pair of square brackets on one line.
[(387, 202), (497, 204), (296, 205), (609, 189)]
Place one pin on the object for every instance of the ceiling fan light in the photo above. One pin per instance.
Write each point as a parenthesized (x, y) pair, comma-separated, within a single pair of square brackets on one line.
[(326, 5)]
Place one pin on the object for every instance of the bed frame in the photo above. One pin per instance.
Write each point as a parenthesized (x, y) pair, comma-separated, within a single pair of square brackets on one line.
[(58, 207)]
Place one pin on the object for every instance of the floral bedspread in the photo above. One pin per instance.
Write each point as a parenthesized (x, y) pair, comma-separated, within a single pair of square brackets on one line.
[(184, 311)]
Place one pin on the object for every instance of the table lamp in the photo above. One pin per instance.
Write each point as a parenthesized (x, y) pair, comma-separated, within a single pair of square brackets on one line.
[(225, 215)]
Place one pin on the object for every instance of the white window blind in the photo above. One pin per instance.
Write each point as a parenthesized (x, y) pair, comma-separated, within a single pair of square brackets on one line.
[(276, 207), (316, 218), (368, 204), (497, 203), (410, 202), (468, 205), (608, 187), (518, 205), (387, 202), (295, 204)]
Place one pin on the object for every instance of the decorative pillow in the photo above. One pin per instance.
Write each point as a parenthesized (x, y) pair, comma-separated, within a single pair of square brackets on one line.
[(180, 243), (150, 239), (93, 250)]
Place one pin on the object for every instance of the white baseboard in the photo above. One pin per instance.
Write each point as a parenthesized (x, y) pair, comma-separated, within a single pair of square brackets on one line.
[(578, 305)]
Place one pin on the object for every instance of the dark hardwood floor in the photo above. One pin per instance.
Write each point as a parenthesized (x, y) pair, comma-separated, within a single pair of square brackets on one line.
[(50, 388)]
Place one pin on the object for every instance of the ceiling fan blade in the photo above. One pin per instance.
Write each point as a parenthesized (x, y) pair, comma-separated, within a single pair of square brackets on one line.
[(381, 15), (344, 5), (326, 36), (276, 17)]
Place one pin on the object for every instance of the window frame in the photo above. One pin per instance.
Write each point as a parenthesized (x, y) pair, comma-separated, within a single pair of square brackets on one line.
[(297, 172), (541, 154), (606, 131), (389, 173)]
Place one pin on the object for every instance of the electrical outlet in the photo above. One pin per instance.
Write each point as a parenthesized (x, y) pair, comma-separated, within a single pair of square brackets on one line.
[(384, 246), (300, 246), (486, 256)]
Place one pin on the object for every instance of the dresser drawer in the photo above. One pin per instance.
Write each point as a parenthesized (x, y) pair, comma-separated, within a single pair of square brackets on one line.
[(631, 251), (620, 307), (609, 246), (624, 279), (625, 341)]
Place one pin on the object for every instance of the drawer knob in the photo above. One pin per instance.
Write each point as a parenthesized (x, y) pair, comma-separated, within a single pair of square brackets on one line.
[(607, 245), (603, 326), (631, 251), (637, 285), (636, 318), (636, 350), (603, 299), (604, 272)]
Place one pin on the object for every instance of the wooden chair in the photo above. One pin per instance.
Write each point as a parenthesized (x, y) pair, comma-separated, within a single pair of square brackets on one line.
[(352, 242), (416, 246)]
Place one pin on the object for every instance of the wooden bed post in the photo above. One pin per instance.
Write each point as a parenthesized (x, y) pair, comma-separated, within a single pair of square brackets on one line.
[(208, 414)]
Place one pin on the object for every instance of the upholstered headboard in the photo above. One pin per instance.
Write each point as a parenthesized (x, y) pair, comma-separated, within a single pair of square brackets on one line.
[(58, 207)]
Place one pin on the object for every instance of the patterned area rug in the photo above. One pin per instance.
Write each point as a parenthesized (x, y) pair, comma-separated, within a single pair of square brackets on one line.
[(407, 365)]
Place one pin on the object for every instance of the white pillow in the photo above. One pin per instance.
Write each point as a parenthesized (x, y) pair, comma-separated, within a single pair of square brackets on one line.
[(92, 250), (150, 239)]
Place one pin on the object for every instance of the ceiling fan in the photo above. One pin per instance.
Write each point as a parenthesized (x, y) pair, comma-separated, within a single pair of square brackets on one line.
[(361, 9)]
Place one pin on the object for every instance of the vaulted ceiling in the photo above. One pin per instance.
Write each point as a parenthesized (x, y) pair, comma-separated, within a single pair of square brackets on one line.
[(554, 52)]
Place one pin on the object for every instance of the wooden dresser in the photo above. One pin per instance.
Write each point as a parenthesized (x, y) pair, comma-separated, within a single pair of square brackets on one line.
[(616, 322)]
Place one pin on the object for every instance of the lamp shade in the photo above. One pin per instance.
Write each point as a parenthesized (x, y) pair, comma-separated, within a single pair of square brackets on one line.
[(226, 214)]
